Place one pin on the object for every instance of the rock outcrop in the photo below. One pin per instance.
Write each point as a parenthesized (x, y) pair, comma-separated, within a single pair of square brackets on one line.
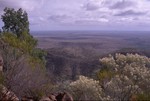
[(63, 96), (6, 95)]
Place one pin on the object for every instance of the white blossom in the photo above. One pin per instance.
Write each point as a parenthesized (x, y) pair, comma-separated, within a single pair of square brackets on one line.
[(132, 75)]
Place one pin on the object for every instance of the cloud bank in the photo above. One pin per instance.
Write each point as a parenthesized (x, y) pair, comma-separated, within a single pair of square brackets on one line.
[(86, 14)]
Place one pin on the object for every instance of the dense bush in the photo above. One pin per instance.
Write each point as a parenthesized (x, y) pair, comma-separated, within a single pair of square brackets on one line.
[(121, 77), (131, 76), (85, 89), (22, 72)]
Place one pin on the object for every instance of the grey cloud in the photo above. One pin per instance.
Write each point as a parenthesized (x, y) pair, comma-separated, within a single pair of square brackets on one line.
[(91, 21), (28, 5), (60, 12), (86, 22), (57, 18), (91, 6), (130, 13), (122, 4), (34, 23), (6, 3)]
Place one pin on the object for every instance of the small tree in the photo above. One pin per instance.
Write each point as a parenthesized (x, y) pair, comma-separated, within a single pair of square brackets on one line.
[(16, 34), (15, 21)]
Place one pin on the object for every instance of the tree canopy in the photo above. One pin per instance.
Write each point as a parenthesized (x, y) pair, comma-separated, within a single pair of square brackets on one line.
[(15, 33), (15, 21)]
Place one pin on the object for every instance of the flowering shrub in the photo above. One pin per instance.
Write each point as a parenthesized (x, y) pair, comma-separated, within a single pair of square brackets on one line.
[(122, 77), (131, 75), (86, 89)]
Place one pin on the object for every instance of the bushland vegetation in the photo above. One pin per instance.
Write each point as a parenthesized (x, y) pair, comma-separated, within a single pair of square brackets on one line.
[(23, 63), (121, 77), (29, 71)]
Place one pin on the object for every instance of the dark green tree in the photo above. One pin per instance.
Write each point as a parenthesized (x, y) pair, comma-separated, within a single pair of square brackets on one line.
[(16, 33), (15, 21)]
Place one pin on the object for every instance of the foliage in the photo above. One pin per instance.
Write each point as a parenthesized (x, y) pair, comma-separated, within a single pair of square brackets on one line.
[(37, 56), (1, 78), (105, 74), (15, 21), (19, 52), (132, 73), (86, 89), (38, 85), (25, 45), (143, 97), (17, 66), (18, 74), (16, 34), (22, 47)]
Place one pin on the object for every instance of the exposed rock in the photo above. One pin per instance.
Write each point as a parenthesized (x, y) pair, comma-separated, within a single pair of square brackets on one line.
[(52, 97), (133, 98), (27, 99), (67, 97), (7, 95), (64, 97), (46, 99)]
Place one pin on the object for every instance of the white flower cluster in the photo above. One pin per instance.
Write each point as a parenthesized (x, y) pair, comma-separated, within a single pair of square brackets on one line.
[(86, 89), (132, 75), (120, 88)]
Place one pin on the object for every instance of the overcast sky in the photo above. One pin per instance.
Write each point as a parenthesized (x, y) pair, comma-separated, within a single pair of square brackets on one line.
[(84, 14)]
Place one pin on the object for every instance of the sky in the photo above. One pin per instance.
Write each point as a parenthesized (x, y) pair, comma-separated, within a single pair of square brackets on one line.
[(84, 14)]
